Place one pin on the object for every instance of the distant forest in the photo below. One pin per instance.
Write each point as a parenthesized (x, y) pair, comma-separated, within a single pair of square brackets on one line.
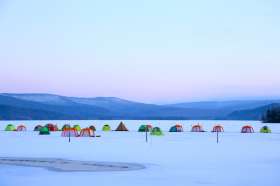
[(56, 107), (272, 115)]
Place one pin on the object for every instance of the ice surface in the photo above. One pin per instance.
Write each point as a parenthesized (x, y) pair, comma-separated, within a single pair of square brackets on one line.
[(183, 159)]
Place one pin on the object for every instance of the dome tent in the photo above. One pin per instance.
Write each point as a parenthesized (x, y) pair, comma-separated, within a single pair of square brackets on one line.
[(66, 126), (121, 127), (21, 128), (44, 131), (176, 128), (144, 128), (106, 128), (72, 132), (92, 128), (218, 128), (52, 127), (197, 128), (87, 132), (156, 132), (37, 128), (265, 129), (77, 127), (247, 129), (10, 127)]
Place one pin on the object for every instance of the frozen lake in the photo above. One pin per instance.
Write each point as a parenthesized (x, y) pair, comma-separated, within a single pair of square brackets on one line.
[(173, 159)]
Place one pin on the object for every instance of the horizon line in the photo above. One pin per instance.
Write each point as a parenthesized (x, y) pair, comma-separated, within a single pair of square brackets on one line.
[(157, 103)]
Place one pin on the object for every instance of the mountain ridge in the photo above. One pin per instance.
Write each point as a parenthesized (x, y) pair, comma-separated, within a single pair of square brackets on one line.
[(116, 108)]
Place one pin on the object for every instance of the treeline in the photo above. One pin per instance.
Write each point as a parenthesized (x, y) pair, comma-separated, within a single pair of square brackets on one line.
[(272, 115)]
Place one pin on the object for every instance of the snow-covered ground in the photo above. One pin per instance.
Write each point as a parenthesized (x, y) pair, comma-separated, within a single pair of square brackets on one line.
[(186, 159)]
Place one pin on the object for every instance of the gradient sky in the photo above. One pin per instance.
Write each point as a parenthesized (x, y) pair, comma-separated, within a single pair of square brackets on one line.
[(149, 50)]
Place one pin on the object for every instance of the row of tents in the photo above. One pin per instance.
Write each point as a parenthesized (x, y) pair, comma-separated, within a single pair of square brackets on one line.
[(11, 127), (142, 128), (71, 132), (199, 128)]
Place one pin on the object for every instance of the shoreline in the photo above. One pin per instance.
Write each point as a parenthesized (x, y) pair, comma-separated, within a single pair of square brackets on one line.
[(63, 165)]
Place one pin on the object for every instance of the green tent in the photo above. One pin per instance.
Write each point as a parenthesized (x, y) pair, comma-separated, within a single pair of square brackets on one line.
[(10, 127), (66, 126), (265, 129), (77, 127), (144, 128), (156, 132), (44, 131), (106, 128)]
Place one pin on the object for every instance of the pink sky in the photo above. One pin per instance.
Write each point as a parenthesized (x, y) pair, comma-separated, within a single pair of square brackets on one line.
[(150, 51)]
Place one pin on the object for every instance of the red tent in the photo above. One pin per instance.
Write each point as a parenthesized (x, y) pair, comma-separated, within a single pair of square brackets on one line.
[(197, 128), (52, 127), (218, 128), (21, 128), (247, 129), (149, 127)]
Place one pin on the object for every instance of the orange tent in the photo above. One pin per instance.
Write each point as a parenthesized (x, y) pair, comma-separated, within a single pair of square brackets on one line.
[(218, 128), (69, 132), (92, 127), (247, 129), (87, 132)]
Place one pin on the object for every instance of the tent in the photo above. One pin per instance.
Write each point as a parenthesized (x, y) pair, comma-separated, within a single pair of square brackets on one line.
[(37, 128), (106, 128), (265, 129), (77, 127), (72, 132), (87, 132), (247, 129), (121, 127), (197, 128), (66, 126), (52, 127), (144, 128), (21, 128), (156, 132), (44, 131), (218, 128), (10, 127), (92, 128), (176, 128)]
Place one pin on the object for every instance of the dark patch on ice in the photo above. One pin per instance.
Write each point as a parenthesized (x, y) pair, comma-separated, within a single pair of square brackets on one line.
[(63, 165)]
